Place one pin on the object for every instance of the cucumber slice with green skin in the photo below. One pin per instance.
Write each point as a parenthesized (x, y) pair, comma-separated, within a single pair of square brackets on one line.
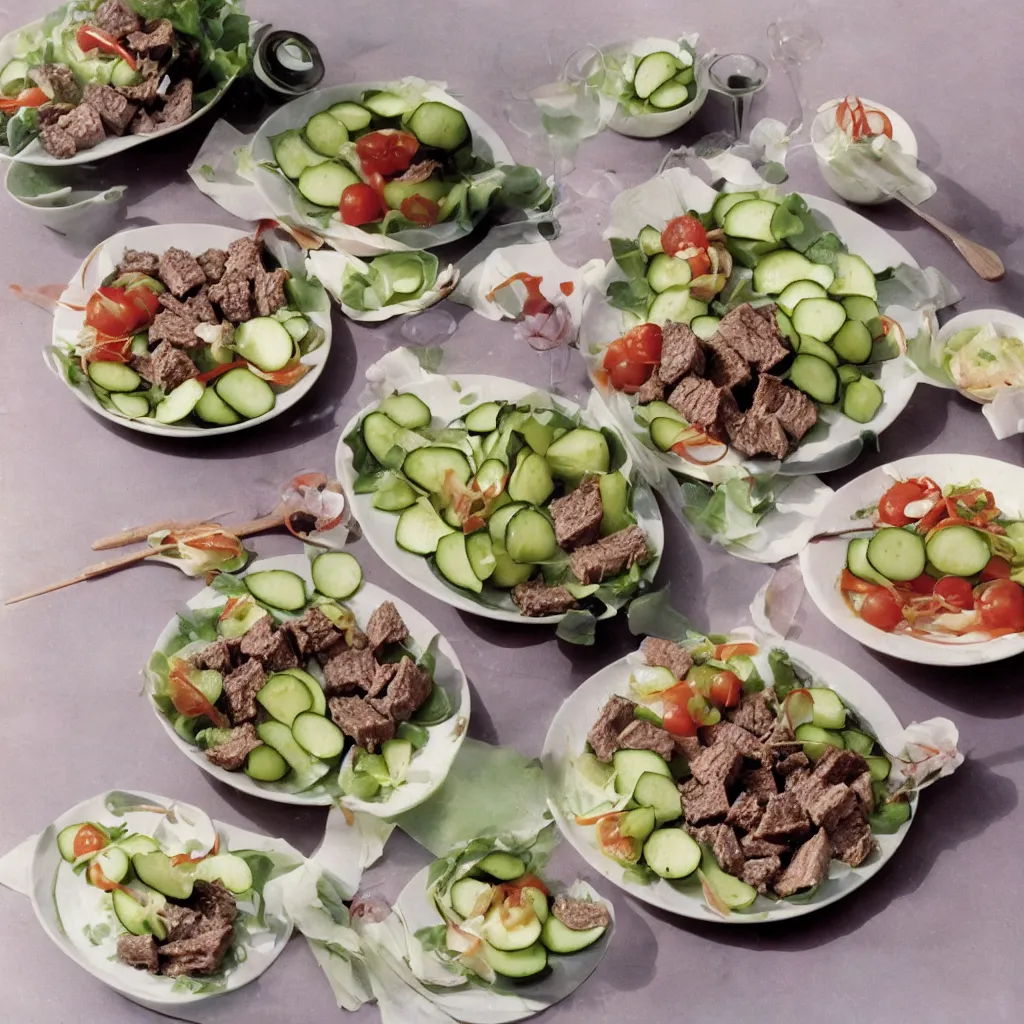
[(577, 453), (748, 253), (539, 901), (156, 870), (325, 134), (284, 697), (560, 939), (277, 735), (180, 402), (509, 573), (113, 862), (812, 347), (880, 768), (785, 328), (137, 843), (899, 555), (853, 277), (209, 683), (336, 574), (137, 917), (958, 551), (500, 865), (852, 342), (316, 691), (397, 754), (297, 326), (420, 528), (14, 77), (829, 711), (615, 514), (705, 327), (638, 823), (133, 406), (857, 562), (466, 893), (352, 115), (531, 479), (653, 71), (539, 436), (650, 240), (676, 305), (317, 735), (264, 342), (859, 742), (859, 307), (439, 125), (492, 473), (726, 201), (211, 408), (124, 74), (323, 184), (231, 628), (231, 871), (671, 853), (381, 434), (265, 764), (815, 377), (480, 553), (250, 396), (396, 193), (862, 400), (732, 891), (751, 219), (818, 318), (452, 518), (530, 537), (817, 740), (499, 521), (666, 432), (454, 565), (484, 418), (798, 290), (518, 963), (660, 793), (509, 939), (278, 588), (666, 272), (629, 765), (114, 376), (293, 154), (393, 494), (662, 410), (407, 411), (670, 95), (426, 467), (776, 271), (385, 104)]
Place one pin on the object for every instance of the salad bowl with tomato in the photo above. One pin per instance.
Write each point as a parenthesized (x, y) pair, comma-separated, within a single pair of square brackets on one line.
[(930, 569)]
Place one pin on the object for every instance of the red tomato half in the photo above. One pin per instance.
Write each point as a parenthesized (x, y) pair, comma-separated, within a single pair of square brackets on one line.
[(643, 344), (420, 210), (145, 300), (956, 591), (360, 205), (684, 232), (726, 689), (700, 264), (387, 151), (923, 584), (615, 353), (1001, 604), (628, 376), (881, 610), (677, 721), (88, 839), (112, 312), (896, 499), (997, 569)]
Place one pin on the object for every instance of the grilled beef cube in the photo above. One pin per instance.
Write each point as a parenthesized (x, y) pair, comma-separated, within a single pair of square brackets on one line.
[(200, 308), (171, 366), (641, 735), (578, 515), (159, 37), (145, 92), (720, 763), (199, 954), (760, 784), (851, 840), (793, 409), (728, 853), (382, 675), (754, 337), (807, 868), (791, 763), (313, 633), (214, 903), (134, 261), (213, 262), (240, 689), (688, 747), (536, 598), (349, 670), (702, 403), (51, 113), (177, 106), (245, 258), (603, 737), (180, 272), (726, 368), (837, 765), (728, 732), (57, 142), (595, 563), (667, 654), (681, 354), (84, 125), (706, 834), (234, 297), (143, 123), (173, 306), (406, 693), (231, 754), (219, 656), (57, 81), (356, 718), (745, 813), (760, 872), (143, 366), (269, 646), (755, 713), (580, 915), (864, 793), (652, 390), (268, 290), (704, 803), (138, 951), (831, 806), (177, 330), (753, 433), (117, 18), (754, 848), (182, 922), (114, 110), (386, 626), (784, 820)]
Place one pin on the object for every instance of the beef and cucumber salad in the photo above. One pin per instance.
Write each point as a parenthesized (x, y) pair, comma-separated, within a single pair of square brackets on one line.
[(711, 777)]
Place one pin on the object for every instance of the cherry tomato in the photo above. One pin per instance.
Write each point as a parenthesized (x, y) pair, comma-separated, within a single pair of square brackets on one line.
[(532, 882), (612, 842), (360, 205), (387, 151), (615, 353), (957, 591), (145, 300), (643, 344), (997, 569), (677, 721), (881, 610), (684, 232), (111, 312), (88, 839), (896, 499), (420, 210), (629, 376), (1001, 604), (726, 688), (924, 584), (700, 264)]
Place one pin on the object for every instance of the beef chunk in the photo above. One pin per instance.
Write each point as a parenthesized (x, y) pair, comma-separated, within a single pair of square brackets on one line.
[(406, 692), (51, 113), (117, 18), (791, 763), (173, 306), (727, 852), (688, 747), (726, 368), (138, 951), (114, 110), (720, 763), (134, 261), (652, 390), (57, 81), (865, 795), (231, 754), (57, 142), (793, 409), (807, 868), (700, 402), (760, 871), (159, 37), (171, 366), (240, 689), (756, 433), (603, 737), (143, 123), (356, 718), (245, 258), (760, 783), (234, 296), (200, 308), (386, 626), (269, 646), (755, 713), (755, 848), (641, 735), (851, 841), (706, 834), (268, 290), (314, 632), (182, 922), (829, 807), (179, 331), (144, 92), (219, 655), (84, 125), (419, 171), (667, 654), (704, 803), (143, 366), (796, 779), (350, 669), (595, 563), (578, 515), (745, 813), (754, 337), (213, 262), (728, 732), (180, 272), (537, 598), (681, 353), (784, 820), (177, 104), (383, 674), (199, 954), (837, 765), (579, 915)]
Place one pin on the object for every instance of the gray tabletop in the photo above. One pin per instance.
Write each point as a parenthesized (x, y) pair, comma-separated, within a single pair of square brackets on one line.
[(937, 932)]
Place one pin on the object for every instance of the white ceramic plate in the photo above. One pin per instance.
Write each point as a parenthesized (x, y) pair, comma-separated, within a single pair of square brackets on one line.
[(65, 904), (1006, 324), (836, 440), (447, 404), (284, 198), (429, 766), (194, 238), (506, 1001), (822, 562), (566, 740)]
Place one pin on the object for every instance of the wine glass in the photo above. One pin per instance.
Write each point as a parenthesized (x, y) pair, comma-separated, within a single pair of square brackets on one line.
[(794, 42), (738, 76)]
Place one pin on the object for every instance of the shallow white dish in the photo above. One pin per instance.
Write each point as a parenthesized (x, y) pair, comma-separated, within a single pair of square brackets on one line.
[(822, 561), (1004, 322), (447, 404), (566, 740), (429, 766), (194, 238)]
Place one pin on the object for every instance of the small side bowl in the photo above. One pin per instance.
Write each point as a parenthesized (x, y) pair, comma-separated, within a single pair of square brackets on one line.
[(1004, 322)]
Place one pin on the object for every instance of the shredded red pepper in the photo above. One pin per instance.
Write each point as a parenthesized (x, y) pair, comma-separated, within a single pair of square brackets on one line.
[(861, 122), (89, 37)]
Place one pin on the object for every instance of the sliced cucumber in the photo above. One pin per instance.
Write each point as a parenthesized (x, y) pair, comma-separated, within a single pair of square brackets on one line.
[(453, 562), (336, 574), (615, 514), (317, 735), (14, 77), (732, 891), (137, 917), (666, 272), (880, 768), (316, 691), (439, 125), (899, 554), (211, 408), (663, 410), (539, 901), (671, 853), (113, 862), (279, 736), (508, 939), (156, 870), (466, 893), (705, 327), (859, 307), (484, 418), (958, 551), (629, 765), (395, 193), (284, 697), (818, 318), (859, 742), (247, 394), (529, 537), (420, 528), (381, 434), (503, 866), (531, 479), (324, 183), (265, 343), (561, 939), (325, 134), (114, 376), (577, 453), (492, 474), (180, 402), (637, 823), (265, 764), (857, 562), (863, 398), (653, 71), (676, 305), (133, 406), (817, 740), (829, 712), (353, 116), (231, 871), (660, 793), (726, 201), (278, 588), (293, 154), (669, 96), (776, 271), (853, 277), (427, 467), (518, 963), (815, 377), (650, 240), (397, 754), (480, 552), (786, 328), (508, 573), (751, 219), (812, 347), (392, 494), (407, 411), (800, 290), (665, 433), (137, 843), (385, 104), (852, 342)]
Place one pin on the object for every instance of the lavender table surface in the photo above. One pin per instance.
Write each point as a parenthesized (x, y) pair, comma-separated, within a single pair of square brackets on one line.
[(937, 933)]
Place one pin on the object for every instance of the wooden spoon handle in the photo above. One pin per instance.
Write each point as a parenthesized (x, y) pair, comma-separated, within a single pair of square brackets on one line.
[(984, 262)]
